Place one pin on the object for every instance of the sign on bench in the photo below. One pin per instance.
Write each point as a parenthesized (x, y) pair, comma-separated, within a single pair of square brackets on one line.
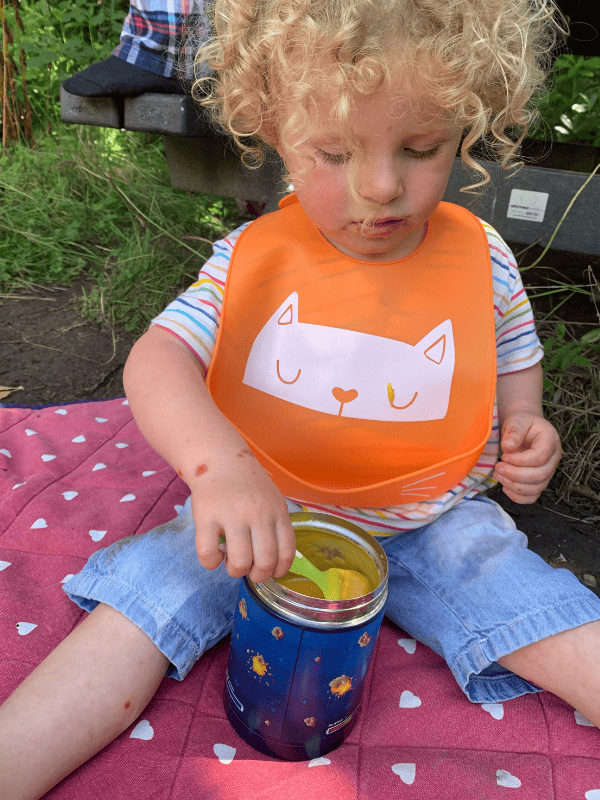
[(525, 207)]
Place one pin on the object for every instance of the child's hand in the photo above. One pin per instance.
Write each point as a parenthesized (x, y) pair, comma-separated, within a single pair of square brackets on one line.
[(530, 454), (236, 498)]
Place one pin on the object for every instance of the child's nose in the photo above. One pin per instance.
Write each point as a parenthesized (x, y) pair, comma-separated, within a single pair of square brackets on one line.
[(381, 182)]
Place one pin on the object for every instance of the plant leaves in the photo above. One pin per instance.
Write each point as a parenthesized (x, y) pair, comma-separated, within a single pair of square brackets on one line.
[(591, 337)]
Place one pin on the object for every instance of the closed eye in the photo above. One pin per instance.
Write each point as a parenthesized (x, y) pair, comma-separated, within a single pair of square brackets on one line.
[(422, 154), (337, 159), (283, 380), (392, 396)]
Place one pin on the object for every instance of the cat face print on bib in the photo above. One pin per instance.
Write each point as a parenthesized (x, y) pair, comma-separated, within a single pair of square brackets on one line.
[(352, 374)]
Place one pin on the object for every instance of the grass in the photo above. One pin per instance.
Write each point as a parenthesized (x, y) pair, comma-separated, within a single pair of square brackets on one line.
[(96, 204), (571, 365)]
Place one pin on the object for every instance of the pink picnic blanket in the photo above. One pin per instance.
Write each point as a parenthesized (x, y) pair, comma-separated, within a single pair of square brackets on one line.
[(78, 477)]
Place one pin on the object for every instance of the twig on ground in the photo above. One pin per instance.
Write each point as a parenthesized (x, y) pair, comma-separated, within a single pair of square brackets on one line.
[(585, 492), (75, 355), (26, 297)]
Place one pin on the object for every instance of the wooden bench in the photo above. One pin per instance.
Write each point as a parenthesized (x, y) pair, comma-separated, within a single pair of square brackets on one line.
[(525, 208)]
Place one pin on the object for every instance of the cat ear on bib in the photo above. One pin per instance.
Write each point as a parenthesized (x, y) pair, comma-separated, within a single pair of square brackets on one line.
[(287, 313), (438, 343)]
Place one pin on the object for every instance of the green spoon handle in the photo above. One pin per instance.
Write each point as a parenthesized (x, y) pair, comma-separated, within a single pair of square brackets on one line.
[(301, 566)]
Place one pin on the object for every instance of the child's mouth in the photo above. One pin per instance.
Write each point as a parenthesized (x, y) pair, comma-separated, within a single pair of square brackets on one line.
[(378, 228)]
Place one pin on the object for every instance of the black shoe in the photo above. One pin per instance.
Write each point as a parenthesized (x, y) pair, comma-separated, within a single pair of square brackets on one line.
[(115, 76)]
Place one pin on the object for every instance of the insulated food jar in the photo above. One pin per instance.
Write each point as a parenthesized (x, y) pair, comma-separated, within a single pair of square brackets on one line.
[(298, 662)]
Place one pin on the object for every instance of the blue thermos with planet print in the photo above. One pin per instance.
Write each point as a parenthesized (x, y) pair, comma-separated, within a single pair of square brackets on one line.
[(297, 661)]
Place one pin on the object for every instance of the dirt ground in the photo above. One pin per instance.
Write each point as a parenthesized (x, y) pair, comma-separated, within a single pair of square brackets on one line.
[(56, 357)]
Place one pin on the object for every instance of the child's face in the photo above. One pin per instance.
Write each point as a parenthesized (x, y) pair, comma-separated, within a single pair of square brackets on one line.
[(409, 151)]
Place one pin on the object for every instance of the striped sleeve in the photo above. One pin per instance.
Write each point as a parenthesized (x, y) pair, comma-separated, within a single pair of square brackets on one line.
[(517, 343), (195, 315)]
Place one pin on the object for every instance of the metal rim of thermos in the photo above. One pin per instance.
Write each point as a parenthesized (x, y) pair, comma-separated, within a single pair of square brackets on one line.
[(317, 613)]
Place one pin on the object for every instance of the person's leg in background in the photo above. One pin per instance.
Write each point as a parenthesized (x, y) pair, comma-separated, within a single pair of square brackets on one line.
[(153, 55)]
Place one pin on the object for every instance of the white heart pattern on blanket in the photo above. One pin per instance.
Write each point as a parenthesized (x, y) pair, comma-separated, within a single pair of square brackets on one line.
[(406, 772), (79, 439), (48, 457), (39, 523), (4, 565), (410, 645), (127, 498), (97, 466), (148, 472), (143, 730), (319, 762), (178, 509), (100, 419), (70, 495), (409, 700), (504, 778), (593, 794), (97, 535), (224, 753), (29, 432), (581, 720), (121, 445), (16, 486), (495, 710), (25, 627), (5, 452), (61, 411)]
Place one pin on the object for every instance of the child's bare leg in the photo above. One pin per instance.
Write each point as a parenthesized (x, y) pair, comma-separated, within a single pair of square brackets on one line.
[(80, 698), (567, 664)]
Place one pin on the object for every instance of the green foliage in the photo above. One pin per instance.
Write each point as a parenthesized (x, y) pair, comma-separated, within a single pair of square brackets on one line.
[(571, 108), (60, 38), (571, 366), (97, 203), (562, 353)]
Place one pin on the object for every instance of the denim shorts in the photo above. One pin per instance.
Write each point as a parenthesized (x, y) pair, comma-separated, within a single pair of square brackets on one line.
[(465, 585)]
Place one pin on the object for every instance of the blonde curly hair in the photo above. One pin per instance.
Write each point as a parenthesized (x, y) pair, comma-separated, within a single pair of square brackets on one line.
[(276, 62)]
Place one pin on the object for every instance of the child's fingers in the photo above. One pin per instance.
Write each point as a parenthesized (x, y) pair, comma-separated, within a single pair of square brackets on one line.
[(531, 445), (286, 546), (537, 456), (532, 476), (207, 545), (239, 552), (264, 552), (513, 437), (523, 485), (519, 497), (522, 492)]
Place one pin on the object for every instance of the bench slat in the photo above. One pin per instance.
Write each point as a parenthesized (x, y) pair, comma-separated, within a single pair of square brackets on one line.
[(534, 216), (525, 208)]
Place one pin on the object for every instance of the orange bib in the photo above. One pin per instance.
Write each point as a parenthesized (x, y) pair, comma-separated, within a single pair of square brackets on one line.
[(358, 383)]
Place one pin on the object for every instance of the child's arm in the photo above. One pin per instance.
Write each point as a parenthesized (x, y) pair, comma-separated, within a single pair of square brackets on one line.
[(231, 493), (529, 443)]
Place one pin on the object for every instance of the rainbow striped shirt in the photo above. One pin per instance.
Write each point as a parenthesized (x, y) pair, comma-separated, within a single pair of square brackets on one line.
[(194, 318)]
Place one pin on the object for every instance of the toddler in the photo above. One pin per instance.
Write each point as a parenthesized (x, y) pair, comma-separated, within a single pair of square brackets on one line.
[(366, 351)]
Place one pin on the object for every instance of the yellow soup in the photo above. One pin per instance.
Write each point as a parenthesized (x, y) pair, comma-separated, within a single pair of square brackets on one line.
[(327, 550)]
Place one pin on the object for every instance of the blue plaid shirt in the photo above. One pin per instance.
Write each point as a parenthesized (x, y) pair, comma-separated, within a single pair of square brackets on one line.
[(154, 33)]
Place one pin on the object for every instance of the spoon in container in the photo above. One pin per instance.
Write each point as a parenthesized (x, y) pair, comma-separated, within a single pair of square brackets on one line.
[(336, 584)]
